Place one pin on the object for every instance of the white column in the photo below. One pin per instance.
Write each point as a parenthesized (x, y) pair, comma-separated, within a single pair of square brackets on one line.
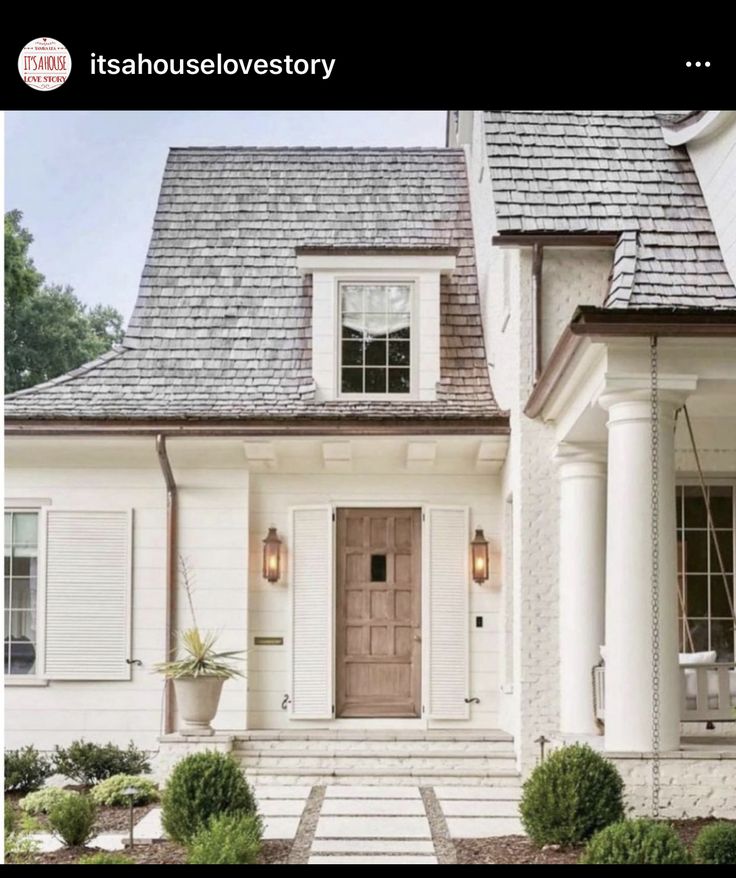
[(582, 583), (629, 630)]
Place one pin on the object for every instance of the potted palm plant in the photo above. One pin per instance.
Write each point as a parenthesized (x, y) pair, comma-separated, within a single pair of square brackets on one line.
[(199, 673)]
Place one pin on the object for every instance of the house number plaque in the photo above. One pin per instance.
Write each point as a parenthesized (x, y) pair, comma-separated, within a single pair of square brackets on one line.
[(268, 641)]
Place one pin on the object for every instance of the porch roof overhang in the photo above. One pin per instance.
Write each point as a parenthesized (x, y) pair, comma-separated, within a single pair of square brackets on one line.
[(592, 324)]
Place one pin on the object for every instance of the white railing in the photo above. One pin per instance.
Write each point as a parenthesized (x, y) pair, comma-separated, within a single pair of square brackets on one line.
[(707, 692)]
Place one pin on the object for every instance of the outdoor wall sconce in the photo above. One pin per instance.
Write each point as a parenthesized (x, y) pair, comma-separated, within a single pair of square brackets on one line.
[(272, 556), (479, 551)]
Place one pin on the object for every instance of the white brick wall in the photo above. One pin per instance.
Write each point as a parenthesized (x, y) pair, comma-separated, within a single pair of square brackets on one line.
[(690, 787), (570, 278)]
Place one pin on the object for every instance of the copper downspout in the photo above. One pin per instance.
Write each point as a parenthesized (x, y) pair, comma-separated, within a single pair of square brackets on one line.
[(171, 556), (537, 259)]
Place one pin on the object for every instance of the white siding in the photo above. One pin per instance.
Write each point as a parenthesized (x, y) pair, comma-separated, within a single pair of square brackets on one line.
[(714, 159), (213, 527), (272, 495)]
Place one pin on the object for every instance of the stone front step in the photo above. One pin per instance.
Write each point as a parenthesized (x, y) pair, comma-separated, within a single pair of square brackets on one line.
[(395, 776), (366, 735), (365, 762), (374, 747)]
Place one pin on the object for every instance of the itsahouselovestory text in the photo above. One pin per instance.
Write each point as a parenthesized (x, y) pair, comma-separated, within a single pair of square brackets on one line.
[(217, 66)]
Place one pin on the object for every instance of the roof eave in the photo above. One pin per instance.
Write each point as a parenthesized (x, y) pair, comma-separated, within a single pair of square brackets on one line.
[(482, 425), (589, 322)]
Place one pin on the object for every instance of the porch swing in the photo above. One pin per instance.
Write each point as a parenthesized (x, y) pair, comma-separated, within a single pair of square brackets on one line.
[(708, 692), (709, 686)]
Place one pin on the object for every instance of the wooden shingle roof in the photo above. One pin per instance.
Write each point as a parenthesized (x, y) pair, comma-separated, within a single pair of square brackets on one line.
[(604, 171), (222, 324)]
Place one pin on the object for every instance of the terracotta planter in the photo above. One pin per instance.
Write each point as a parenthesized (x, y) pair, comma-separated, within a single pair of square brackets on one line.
[(197, 699)]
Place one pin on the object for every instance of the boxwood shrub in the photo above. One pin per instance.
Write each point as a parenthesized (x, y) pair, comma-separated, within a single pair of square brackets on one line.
[(716, 845), (228, 840), (570, 796), (202, 786), (636, 842)]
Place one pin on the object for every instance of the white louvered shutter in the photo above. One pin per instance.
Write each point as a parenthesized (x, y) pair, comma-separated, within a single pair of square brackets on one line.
[(447, 558), (87, 595), (312, 611)]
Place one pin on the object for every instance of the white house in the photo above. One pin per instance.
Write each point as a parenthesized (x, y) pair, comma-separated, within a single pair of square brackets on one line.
[(378, 353)]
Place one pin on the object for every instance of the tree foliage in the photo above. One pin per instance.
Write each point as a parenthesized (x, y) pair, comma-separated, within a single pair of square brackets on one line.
[(48, 330)]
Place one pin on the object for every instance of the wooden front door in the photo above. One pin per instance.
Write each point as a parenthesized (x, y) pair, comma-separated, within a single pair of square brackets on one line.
[(378, 635)]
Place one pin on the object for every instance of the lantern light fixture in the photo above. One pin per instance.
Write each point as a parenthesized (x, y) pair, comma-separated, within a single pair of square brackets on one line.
[(272, 556), (479, 553)]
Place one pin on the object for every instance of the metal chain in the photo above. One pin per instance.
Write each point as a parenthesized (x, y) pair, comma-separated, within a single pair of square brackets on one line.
[(655, 577)]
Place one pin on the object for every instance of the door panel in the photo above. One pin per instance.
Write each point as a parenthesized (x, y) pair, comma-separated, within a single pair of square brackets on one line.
[(378, 630)]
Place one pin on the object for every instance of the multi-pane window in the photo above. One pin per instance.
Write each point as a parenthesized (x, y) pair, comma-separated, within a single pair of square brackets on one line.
[(375, 338), (21, 576), (706, 619)]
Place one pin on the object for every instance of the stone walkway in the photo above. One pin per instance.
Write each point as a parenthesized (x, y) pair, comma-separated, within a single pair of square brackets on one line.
[(364, 824)]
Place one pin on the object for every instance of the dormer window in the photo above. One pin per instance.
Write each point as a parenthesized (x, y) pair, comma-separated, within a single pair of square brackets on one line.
[(375, 321), (376, 338)]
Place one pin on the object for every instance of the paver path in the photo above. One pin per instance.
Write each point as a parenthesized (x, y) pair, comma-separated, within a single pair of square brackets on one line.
[(363, 824)]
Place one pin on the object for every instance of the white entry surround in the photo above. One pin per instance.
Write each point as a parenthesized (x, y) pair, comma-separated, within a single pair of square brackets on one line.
[(457, 491)]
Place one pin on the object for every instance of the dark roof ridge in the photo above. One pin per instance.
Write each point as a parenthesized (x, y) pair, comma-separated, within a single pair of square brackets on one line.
[(348, 150)]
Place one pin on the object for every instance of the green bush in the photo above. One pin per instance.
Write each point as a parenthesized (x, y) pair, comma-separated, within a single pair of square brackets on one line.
[(73, 820), (202, 786), (42, 801), (89, 763), (228, 840), (570, 796), (636, 842), (110, 791), (20, 845), (9, 816), (105, 859), (26, 770), (716, 845)]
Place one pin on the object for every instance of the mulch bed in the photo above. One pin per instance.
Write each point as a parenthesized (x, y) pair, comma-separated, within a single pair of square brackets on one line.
[(518, 850), (108, 819), (161, 853), (510, 850)]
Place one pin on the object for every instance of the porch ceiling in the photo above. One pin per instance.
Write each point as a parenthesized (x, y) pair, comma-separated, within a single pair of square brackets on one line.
[(607, 363)]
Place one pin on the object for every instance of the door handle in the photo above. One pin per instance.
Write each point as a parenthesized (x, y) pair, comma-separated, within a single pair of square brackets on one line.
[(418, 638)]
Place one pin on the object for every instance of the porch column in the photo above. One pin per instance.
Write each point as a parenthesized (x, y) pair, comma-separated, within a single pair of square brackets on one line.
[(582, 582), (629, 635)]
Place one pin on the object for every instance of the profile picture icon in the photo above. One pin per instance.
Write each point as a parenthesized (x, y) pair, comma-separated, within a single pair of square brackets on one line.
[(44, 64)]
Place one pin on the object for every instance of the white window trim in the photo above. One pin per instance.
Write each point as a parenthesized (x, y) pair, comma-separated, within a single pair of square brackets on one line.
[(38, 506), (711, 480), (412, 282), (424, 270)]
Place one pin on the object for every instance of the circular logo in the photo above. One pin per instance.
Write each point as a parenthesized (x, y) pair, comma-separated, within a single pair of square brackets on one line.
[(44, 64)]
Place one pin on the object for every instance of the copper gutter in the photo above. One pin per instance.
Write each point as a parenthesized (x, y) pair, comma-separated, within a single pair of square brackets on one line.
[(388, 426), (538, 242), (171, 557), (601, 323)]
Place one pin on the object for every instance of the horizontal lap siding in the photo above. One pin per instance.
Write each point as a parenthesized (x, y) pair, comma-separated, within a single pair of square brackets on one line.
[(271, 496), (214, 527)]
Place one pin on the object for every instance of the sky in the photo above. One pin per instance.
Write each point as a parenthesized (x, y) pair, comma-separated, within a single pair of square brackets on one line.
[(87, 182)]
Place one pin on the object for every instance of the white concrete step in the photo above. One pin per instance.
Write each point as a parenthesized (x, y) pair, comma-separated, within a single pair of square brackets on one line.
[(397, 748), (395, 776), (365, 735), (447, 763), (373, 860)]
